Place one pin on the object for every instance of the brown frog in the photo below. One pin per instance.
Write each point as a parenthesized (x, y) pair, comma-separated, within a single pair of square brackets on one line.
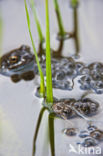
[(68, 108), (17, 61), (21, 64)]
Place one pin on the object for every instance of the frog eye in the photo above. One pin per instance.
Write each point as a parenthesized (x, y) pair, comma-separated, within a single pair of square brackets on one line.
[(13, 59)]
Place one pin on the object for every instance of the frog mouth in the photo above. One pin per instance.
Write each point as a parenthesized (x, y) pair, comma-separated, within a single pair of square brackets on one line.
[(18, 66)]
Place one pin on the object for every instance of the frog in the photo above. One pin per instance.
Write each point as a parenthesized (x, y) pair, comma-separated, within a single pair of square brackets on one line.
[(18, 62), (71, 108)]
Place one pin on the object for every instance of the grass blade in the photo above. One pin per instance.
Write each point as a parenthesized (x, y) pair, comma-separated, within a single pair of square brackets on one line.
[(51, 134), (74, 4), (49, 90), (42, 86), (59, 18), (41, 37), (37, 129)]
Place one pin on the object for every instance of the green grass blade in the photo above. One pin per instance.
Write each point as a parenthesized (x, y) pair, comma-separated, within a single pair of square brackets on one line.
[(42, 86), (37, 129), (41, 37), (51, 134), (74, 4), (48, 59), (59, 18)]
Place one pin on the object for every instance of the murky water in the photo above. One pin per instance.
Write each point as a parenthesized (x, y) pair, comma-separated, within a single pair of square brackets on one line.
[(19, 107)]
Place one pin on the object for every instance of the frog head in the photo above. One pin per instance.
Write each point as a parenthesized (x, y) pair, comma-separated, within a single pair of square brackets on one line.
[(17, 61)]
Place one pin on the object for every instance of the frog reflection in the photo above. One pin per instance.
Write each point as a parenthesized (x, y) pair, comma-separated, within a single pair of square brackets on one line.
[(27, 76)]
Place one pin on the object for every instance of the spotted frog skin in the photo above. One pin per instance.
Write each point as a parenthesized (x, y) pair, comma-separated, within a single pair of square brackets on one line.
[(17, 61), (69, 108)]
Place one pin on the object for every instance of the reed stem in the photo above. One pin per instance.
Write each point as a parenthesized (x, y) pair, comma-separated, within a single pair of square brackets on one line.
[(74, 4), (49, 91), (37, 130), (51, 134), (59, 18), (40, 34), (42, 86)]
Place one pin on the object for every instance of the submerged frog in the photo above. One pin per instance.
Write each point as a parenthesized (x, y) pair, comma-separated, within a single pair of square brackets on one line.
[(18, 62), (70, 108), (21, 64)]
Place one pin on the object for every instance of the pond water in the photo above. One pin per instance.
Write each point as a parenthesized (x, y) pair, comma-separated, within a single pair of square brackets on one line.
[(19, 107)]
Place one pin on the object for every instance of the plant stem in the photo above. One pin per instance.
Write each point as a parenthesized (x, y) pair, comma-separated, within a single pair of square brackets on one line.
[(59, 18), (49, 90), (76, 31), (51, 134), (42, 86), (58, 53), (37, 129), (74, 4), (41, 37)]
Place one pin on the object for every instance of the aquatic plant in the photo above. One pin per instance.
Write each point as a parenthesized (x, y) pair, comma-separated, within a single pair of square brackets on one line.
[(49, 92), (59, 18), (49, 96), (40, 34), (51, 131), (42, 85), (37, 129), (74, 5)]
